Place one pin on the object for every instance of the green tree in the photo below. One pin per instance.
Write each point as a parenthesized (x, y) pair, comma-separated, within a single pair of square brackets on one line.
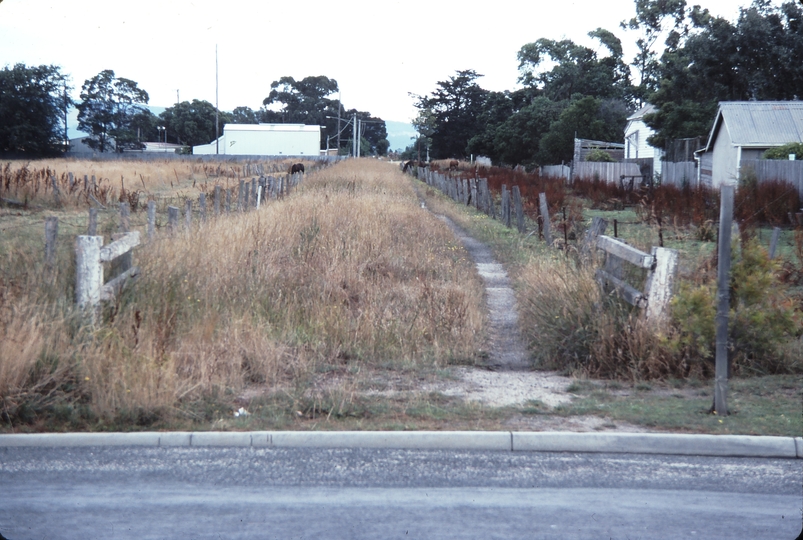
[(32, 109), (145, 124), (654, 19), (108, 104), (244, 115), (306, 101), (518, 138), (585, 117), (576, 70), (450, 116), (373, 133), (497, 110), (783, 152), (754, 59), (193, 123)]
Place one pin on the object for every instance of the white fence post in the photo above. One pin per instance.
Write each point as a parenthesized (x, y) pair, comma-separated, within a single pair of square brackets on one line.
[(88, 272), (661, 283)]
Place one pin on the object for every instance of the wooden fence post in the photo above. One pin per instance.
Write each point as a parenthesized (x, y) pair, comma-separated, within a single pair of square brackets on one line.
[(723, 300), (228, 200), (505, 210), (519, 208), (51, 233), (188, 213), (252, 200), (240, 195), (217, 200), (202, 204), (545, 215), (92, 226), (125, 222), (172, 219), (86, 183), (598, 226), (56, 191), (151, 219), (774, 241), (124, 262)]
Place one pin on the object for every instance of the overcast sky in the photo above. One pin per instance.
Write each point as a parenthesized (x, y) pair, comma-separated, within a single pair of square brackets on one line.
[(379, 52)]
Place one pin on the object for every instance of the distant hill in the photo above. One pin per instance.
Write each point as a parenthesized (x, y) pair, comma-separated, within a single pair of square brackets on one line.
[(400, 134)]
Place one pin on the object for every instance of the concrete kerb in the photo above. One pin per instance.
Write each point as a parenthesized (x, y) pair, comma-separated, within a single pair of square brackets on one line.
[(630, 443), (658, 443)]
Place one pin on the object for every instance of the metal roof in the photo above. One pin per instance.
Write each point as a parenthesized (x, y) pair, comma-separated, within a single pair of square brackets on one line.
[(760, 124), (639, 114)]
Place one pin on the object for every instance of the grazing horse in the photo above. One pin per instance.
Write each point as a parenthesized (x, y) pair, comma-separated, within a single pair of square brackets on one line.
[(296, 168), (414, 163), (453, 165)]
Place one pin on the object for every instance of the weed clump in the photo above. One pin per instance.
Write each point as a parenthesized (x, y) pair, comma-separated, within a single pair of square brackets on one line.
[(572, 326)]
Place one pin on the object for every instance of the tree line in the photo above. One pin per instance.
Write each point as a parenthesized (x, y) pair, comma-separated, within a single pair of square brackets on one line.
[(34, 102), (687, 61)]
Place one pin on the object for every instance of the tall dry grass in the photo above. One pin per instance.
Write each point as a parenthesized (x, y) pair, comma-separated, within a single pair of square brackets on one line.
[(575, 328), (123, 180), (347, 271)]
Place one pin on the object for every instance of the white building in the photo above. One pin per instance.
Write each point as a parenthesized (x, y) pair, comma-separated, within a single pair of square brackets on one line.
[(636, 133), (265, 140)]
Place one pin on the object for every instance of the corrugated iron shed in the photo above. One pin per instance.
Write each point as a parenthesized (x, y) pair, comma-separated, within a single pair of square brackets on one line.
[(760, 123)]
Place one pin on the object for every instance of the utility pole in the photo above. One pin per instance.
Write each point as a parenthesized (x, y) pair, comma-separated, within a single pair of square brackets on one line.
[(339, 105), (217, 116), (354, 136), (359, 135), (66, 107)]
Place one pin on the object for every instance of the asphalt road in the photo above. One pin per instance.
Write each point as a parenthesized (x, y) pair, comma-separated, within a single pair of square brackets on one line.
[(294, 493)]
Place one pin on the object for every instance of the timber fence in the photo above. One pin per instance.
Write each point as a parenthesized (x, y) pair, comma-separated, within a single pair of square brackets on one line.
[(91, 287), (657, 269)]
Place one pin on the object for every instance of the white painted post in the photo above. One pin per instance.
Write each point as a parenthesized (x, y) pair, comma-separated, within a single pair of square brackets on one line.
[(259, 195), (88, 273), (661, 283)]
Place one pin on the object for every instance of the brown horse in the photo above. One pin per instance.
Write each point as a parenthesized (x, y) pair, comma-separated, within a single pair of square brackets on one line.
[(296, 168), (414, 163), (453, 165)]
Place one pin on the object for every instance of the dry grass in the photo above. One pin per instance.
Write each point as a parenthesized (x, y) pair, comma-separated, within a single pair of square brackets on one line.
[(130, 180), (347, 272)]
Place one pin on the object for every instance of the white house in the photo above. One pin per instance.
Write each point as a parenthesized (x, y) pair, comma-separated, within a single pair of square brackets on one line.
[(744, 130), (265, 140), (636, 133)]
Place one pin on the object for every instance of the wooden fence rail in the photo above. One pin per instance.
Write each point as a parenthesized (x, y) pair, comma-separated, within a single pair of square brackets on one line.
[(91, 254), (661, 265)]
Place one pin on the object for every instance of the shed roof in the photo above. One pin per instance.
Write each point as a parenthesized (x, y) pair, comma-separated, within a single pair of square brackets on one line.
[(759, 123)]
